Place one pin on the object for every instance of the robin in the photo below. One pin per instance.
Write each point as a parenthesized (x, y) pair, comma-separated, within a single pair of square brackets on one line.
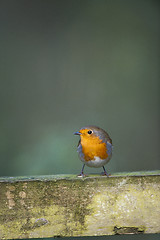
[(94, 147)]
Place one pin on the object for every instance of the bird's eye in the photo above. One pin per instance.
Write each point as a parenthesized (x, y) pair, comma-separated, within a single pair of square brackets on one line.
[(89, 132)]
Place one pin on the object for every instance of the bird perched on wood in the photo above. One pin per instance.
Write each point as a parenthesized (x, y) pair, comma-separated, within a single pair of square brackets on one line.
[(94, 147)]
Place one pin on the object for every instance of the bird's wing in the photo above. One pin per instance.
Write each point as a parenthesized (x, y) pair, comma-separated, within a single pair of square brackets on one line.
[(109, 148), (79, 143)]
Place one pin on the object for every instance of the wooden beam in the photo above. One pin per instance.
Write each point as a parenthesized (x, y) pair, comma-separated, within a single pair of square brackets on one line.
[(66, 205)]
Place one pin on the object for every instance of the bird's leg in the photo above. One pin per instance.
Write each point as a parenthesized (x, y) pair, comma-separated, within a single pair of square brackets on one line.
[(105, 173), (82, 174)]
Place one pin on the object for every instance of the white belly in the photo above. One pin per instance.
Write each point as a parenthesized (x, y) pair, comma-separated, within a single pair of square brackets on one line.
[(96, 162)]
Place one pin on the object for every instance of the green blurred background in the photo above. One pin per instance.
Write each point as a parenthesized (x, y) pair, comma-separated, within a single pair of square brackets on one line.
[(65, 64)]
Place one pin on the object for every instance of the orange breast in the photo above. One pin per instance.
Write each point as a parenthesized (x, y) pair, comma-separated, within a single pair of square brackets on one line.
[(93, 147)]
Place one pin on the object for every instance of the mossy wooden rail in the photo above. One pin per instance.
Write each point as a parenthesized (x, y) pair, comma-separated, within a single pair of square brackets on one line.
[(65, 205)]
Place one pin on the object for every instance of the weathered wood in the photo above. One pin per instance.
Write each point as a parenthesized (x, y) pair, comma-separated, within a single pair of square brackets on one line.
[(36, 207)]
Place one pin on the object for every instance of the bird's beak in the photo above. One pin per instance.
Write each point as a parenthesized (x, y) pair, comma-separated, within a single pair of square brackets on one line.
[(77, 133)]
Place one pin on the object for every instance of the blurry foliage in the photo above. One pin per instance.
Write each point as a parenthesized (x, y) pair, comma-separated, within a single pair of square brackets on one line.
[(67, 64)]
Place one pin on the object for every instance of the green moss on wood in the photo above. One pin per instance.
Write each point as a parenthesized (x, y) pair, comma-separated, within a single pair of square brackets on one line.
[(74, 177), (65, 205)]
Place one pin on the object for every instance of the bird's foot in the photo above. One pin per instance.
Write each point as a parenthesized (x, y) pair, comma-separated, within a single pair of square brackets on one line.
[(81, 175), (105, 174)]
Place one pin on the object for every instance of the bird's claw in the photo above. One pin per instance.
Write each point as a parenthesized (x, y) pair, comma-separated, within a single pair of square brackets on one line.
[(105, 174), (81, 175)]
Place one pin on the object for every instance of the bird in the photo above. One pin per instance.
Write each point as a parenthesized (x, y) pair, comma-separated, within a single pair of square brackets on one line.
[(94, 148)]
